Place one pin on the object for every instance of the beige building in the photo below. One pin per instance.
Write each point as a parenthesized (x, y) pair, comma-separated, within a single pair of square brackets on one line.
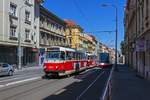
[(19, 17), (79, 40), (52, 31), (137, 35), (73, 34)]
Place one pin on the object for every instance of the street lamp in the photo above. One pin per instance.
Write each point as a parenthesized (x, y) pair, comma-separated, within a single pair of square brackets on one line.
[(19, 38), (114, 6)]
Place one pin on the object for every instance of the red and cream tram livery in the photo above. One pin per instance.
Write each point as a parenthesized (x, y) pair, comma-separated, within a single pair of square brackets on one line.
[(63, 61), (91, 60)]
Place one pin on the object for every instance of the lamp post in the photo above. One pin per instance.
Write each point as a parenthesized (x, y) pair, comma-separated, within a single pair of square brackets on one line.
[(116, 35), (19, 38)]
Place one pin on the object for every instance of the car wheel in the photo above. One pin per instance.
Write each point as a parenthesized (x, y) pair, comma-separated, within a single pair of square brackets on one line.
[(10, 73)]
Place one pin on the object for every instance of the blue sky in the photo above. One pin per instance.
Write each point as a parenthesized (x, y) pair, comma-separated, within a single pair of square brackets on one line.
[(91, 16)]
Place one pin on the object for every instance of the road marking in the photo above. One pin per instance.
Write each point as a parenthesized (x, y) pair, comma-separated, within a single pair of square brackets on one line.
[(2, 86), (12, 79), (90, 85), (87, 73), (15, 78), (59, 92), (21, 81)]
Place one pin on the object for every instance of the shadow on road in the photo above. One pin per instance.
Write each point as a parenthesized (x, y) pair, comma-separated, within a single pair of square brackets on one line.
[(75, 89)]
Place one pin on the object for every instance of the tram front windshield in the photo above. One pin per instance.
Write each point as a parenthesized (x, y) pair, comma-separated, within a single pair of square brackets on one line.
[(55, 55)]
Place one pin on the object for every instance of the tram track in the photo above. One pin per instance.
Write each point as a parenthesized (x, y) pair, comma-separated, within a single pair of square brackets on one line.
[(36, 85), (90, 85), (55, 89)]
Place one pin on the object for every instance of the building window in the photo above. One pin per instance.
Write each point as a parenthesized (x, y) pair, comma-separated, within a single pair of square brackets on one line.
[(27, 1), (27, 34), (13, 31), (147, 3), (13, 9), (27, 16)]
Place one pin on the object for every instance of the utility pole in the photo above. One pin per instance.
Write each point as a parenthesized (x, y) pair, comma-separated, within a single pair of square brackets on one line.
[(116, 35), (116, 68)]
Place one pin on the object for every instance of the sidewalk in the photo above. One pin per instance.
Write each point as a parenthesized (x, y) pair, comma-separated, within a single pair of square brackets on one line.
[(127, 86), (28, 68)]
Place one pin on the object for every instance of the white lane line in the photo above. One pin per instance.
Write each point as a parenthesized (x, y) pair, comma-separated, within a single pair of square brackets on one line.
[(21, 81), (15, 78), (86, 71), (59, 92), (2, 86), (12, 79), (90, 85)]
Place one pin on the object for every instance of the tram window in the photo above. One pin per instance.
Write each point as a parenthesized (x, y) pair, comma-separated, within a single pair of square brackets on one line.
[(69, 56), (73, 55), (77, 56), (62, 56)]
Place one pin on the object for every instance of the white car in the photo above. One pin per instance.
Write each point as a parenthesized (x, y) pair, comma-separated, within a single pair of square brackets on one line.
[(6, 69)]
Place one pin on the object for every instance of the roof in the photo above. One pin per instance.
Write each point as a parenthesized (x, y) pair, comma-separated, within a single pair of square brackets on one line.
[(46, 12), (69, 22)]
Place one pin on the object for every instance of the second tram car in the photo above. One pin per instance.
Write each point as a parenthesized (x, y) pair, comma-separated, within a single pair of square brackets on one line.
[(64, 61), (104, 60), (91, 60)]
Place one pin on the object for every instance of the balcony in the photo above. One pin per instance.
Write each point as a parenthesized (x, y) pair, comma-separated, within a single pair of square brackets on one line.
[(27, 40), (11, 15), (13, 38), (27, 21)]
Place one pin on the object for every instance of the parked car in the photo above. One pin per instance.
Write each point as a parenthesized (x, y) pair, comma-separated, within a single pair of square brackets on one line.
[(6, 69)]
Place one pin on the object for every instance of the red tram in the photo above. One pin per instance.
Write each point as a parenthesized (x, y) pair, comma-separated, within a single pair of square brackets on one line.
[(64, 61), (91, 60)]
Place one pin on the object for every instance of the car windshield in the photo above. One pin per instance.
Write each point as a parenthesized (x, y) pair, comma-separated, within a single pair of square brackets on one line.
[(4, 65)]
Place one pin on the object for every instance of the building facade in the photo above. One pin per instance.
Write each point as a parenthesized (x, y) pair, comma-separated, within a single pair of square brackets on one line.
[(19, 22), (78, 39), (73, 35), (137, 36), (52, 31)]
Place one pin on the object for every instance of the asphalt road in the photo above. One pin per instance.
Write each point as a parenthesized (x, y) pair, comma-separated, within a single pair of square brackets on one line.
[(28, 85)]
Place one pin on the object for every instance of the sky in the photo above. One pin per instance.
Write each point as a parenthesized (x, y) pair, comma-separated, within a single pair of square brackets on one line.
[(92, 17)]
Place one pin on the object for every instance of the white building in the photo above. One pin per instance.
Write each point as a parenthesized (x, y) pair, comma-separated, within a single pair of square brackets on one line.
[(19, 17)]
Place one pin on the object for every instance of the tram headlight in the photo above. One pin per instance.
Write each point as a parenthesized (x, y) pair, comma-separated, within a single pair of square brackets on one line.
[(44, 67), (56, 67)]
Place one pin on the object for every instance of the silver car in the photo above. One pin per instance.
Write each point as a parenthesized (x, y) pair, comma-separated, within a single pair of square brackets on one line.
[(6, 69)]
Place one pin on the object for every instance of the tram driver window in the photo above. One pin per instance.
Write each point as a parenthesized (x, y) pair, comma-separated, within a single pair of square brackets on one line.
[(62, 56)]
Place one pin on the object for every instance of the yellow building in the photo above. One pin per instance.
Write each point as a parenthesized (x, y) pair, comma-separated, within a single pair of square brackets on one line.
[(78, 40), (73, 36)]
